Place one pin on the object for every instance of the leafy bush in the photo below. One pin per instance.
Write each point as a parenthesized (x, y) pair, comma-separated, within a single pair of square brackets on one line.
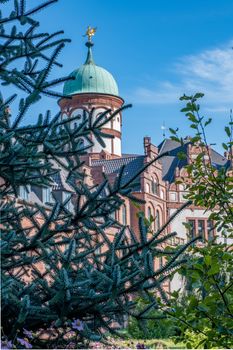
[(204, 309), (157, 326)]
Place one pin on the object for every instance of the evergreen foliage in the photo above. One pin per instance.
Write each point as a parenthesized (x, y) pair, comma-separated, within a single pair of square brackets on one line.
[(64, 277), (204, 309)]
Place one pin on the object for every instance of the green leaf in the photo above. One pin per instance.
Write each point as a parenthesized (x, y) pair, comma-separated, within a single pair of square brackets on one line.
[(228, 131), (173, 131), (214, 270), (207, 260), (198, 95)]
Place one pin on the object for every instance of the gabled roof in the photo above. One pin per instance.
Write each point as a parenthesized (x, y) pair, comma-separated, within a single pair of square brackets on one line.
[(218, 160), (132, 165), (169, 163)]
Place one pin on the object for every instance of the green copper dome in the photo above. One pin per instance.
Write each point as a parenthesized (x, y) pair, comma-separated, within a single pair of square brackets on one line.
[(90, 78)]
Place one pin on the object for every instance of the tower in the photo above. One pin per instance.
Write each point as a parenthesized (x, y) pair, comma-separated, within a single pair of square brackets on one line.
[(94, 87)]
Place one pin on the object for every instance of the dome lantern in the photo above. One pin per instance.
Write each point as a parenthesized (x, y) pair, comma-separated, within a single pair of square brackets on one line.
[(91, 78)]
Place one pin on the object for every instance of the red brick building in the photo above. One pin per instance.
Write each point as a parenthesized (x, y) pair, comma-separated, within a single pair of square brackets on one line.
[(94, 87)]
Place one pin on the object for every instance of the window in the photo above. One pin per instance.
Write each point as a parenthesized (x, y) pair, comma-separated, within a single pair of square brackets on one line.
[(68, 205), (47, 195), (191, 229), (147, 188), (149, 213), (124, 215), (181, 241), (80, 143), (162, 194), (154, 186), (24, 192), (201, 228), (160, 262), (210, 230), (113, 215), (157, 220), (172, 196)]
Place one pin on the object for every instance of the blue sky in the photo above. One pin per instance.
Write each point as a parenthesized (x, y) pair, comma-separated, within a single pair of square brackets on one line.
[(156, 50)]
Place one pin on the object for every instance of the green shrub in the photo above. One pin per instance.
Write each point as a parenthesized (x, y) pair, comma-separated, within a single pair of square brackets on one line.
[(158, 327)]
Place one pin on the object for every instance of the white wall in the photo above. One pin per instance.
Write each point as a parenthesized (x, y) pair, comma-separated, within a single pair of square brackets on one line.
[(117, 146), (177, 223), (97, 147)]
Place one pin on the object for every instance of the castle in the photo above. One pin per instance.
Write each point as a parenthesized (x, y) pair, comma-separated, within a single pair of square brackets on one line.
[(94, 87)]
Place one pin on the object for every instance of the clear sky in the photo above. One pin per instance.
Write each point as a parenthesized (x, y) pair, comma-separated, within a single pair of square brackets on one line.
[(156, 50)]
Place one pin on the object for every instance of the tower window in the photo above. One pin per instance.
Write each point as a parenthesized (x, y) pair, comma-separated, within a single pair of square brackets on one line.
[(80, 143)]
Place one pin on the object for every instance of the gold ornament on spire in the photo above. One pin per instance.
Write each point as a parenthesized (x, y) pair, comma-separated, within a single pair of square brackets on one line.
[(90, 33)]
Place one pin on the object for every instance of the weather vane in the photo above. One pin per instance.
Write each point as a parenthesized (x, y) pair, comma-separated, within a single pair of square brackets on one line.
[(90, 33), (163, 128)]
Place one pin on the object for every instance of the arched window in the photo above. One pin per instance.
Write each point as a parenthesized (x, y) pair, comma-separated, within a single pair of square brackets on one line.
[(113, 215), (154, 186), (157, 220), (80, 143), (124, 215), (147, 188), (149, 212)]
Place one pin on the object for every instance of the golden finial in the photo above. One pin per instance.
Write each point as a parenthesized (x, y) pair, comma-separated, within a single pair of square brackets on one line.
[(90, 33)]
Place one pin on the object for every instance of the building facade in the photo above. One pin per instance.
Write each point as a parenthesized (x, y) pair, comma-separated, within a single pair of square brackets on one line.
[(93, 91)]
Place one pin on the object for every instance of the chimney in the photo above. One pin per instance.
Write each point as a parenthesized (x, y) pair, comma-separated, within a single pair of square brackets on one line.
[(150, 150), (146, 143)]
